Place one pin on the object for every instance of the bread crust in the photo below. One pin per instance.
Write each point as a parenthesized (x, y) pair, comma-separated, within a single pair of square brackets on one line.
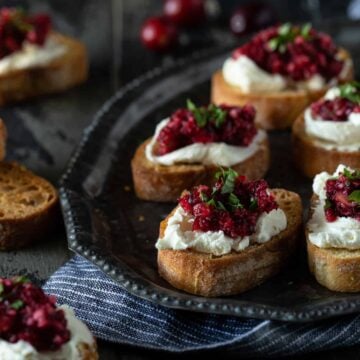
[(210, 276), (336, 269), (62, 73), (88, 351), (156, 182), (276, 110), (312, 159), (29, 207), (3, 138)]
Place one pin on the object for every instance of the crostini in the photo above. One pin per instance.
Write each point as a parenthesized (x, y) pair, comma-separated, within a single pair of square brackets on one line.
[(333, 230), (328, 133), (187, 148), (34, 60), (280, 71), (229, 238), (33, 327)]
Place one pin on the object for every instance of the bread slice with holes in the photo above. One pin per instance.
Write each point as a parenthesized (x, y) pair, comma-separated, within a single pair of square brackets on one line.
[(335, 268), (311, 158), (274, 110), (156, 182), (28, 206), (208, 275), (61, 73)]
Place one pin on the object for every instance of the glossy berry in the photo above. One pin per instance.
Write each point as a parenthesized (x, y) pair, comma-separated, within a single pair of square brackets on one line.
[(251, 17), (158, 34), (28, 314), (337, 109), (185, 12)]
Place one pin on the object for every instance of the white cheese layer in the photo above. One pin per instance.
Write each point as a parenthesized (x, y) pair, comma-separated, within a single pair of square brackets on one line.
[(245, 74), (180, 236), (219, 154), (337, 135), (22, 350), (32, 55), (342, 233)]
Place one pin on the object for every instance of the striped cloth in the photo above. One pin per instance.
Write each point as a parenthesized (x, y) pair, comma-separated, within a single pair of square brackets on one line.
[(115, 315)]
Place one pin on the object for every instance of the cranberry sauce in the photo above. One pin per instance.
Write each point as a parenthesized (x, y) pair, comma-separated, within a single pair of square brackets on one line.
[(293, 51), (233, 205), (16, 27), (339, 108), (232, 125), (28, 314), (343, 196)]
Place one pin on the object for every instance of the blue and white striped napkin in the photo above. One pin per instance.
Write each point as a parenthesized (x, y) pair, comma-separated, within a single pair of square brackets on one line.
[(117, 316)]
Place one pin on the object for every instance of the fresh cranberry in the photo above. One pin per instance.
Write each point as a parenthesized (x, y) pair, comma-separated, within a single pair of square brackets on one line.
[(28, 314), (299, 57), (233, 210), (16, 27), (158, 34), (251, 17), (185, 12), (237, 128), (337, 109), (338, 196)]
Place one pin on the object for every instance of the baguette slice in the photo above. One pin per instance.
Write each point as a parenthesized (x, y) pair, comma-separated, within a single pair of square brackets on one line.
[(156, 182), (208, 275), (62, 73), (336, 269), (276, 110), (28, 206), (311, 159), (87, 351)]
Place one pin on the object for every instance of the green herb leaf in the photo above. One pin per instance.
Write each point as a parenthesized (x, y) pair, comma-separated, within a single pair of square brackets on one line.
[(253, 204), (285, 29), (221, 206), (355, 196), (229, 177), (17, 304), (234, 201), (21, 280), (351, 91), (203, 115), (2, 288), (212, 202), (305, 30), (203, 197), (351, 175), (327, 204)]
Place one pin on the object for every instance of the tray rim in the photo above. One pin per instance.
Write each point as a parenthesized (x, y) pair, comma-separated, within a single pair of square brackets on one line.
[(72, 206)]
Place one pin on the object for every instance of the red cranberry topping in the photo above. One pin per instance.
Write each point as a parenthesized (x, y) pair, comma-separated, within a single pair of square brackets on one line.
[(293, 51), (28, 314), (342, 106), (16, 27), (233, 205), (229, 124), (343, 196)]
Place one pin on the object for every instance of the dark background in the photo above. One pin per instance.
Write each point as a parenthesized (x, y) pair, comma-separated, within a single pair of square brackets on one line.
[(44, 132)]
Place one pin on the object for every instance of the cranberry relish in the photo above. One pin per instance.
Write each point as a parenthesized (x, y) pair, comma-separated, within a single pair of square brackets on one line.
[(232, 125), (233, 205), (28, 314), (343, 196), (341, 107), (16, 27), (293, 51)]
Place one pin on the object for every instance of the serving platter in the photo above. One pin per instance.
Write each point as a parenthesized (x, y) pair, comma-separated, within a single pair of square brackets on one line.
[(108, 225)]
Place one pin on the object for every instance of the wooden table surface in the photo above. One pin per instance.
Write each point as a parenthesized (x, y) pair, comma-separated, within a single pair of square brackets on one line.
[(43, 134)]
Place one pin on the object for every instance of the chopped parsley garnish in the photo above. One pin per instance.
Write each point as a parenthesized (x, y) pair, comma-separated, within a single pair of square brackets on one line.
[(211, 113), (355, 196), (17, 304), (351, 175), (351, 91)]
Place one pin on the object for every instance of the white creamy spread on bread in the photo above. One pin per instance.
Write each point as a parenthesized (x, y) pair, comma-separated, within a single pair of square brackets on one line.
[(22, 350), (179, 235), (245, 74), (220, 154), (32, 55), (341, 233), (337, 135)]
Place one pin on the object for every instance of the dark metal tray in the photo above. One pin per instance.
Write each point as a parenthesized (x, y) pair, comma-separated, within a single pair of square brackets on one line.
[(108, 225)]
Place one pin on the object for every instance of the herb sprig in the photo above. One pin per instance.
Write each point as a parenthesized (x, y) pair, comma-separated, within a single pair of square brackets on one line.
[(351, 91), (287, 34), (204, 115), (351, 175)]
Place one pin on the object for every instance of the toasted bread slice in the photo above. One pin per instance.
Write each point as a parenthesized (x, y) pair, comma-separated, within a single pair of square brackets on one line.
[(61, 73), (209, 275), (87, 351), (336, 269), (156, 182), (275, 110), (28, 206), (311, 158)]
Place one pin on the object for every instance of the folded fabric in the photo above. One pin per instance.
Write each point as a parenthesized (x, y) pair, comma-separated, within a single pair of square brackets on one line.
[(117, 316)]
